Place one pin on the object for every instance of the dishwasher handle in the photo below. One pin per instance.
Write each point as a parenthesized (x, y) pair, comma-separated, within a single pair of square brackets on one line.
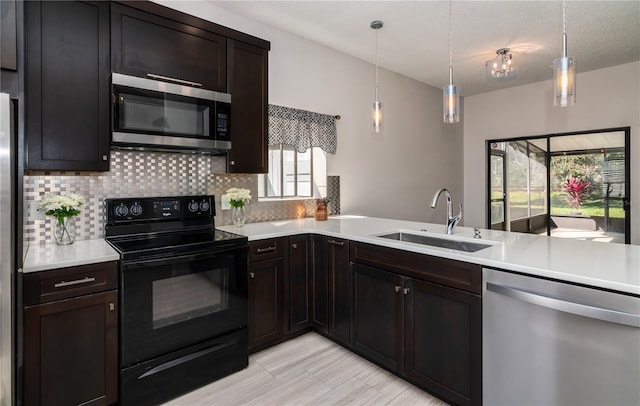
[(599, 313)]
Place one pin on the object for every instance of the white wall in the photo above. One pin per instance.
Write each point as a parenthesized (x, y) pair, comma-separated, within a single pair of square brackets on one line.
[(606, 98), (392, 175)]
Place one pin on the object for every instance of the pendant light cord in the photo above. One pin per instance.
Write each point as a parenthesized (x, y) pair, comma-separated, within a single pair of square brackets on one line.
[(377, 62), (564, 28), (450, 39), (564, 17)]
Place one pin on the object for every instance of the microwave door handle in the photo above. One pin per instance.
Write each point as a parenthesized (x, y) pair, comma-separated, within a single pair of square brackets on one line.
[(170, 79)]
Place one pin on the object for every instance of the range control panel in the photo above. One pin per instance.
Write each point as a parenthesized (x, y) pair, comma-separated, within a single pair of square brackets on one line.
[(159, 208)]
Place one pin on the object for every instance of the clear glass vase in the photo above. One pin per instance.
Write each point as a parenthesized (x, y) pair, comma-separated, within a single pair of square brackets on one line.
[(238, 216), (64, 230)]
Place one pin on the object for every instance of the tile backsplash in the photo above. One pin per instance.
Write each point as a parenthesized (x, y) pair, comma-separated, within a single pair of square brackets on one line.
[(140, 174)]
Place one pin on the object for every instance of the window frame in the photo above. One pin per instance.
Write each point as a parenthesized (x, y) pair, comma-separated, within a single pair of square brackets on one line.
[(264, 177)]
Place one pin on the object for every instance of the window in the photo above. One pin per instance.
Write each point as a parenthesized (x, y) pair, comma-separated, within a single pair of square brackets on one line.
[(294, 174)]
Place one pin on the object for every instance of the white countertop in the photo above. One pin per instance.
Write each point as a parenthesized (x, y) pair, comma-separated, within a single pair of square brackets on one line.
[(598, 264), (52, 256)]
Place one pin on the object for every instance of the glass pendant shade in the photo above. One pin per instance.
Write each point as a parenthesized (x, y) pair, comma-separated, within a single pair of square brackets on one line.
[(451, 101), (564, 80), (376, 115)]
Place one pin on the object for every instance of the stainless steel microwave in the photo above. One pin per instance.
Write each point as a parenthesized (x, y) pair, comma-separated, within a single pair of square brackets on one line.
[(158, 115)]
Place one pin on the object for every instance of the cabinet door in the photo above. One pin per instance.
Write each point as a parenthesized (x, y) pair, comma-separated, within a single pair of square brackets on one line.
[(247, 70), (443, 342), (71, 351), (377, 315), (299, 284), (339, 289), (320, 285), (67, 85), (266, 318), (147, 44)]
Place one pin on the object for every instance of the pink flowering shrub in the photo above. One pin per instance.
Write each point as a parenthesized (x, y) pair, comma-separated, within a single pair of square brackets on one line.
[(577, 190)]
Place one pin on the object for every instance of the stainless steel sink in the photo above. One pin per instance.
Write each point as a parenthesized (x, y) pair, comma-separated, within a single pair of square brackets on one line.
[(458, 245)]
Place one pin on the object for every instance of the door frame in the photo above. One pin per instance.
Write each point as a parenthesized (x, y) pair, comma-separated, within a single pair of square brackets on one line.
[(627, 169)]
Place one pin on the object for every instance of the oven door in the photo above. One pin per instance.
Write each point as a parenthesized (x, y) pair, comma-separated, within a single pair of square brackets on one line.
[(170, 303)]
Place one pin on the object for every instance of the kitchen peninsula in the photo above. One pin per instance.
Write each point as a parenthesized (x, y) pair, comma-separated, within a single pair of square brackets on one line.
[(600, 265)]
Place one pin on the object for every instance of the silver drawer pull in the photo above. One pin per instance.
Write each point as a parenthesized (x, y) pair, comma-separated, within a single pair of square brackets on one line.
[(76, 282), (263, 250), (338, 243), (170, 79)]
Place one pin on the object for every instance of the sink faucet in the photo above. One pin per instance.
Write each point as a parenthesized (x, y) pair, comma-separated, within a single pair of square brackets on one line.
[(451, 219)]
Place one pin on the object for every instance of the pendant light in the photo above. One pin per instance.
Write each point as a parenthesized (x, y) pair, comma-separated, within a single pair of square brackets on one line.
[(450, 95), (564, 71), (376, 108)]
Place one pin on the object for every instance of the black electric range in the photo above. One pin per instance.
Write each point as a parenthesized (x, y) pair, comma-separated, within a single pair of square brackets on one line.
[(183, 296)]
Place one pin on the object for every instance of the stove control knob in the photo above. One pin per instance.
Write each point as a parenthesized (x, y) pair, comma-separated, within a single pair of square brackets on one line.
[(136, 209), (204, 205), (121, 210), (193, 206)]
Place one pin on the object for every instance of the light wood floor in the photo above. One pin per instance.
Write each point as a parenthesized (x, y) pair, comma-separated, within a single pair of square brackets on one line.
[(308, 370)]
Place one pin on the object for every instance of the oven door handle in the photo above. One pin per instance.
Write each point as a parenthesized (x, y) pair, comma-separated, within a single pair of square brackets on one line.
[(186, 358)]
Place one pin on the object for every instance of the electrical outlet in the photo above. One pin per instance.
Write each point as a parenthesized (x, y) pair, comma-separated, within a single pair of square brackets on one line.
[(224, 202), (35, 213)]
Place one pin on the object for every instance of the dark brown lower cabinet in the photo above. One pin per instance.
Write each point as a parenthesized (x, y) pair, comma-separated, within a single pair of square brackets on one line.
[(331, 288), (319, 285), (300, 262), (429, 333), (376, 329), (443, 341), (266, 302), (339, 289), (71, 345)]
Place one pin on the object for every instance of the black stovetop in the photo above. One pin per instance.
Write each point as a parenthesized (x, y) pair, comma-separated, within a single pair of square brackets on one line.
[(175, 243), (152, 227)]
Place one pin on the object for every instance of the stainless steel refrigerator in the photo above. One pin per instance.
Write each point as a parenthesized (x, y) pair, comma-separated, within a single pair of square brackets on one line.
[(7, 245)]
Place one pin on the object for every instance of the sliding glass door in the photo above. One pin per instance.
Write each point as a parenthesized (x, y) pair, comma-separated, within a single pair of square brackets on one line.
[(563, 185)]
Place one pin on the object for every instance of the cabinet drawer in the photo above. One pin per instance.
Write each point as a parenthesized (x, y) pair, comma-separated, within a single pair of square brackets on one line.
[(266, 249), (63, 283), (456, 274)]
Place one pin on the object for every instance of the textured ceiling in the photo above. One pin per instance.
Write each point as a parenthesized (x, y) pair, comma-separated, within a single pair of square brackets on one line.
[(414, 40)]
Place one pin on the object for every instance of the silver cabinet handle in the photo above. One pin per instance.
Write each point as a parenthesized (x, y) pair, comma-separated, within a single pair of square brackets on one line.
[(252, 275), (170, 79), (112, 306), (294, 245), (398, 288), (338, 243), (592, 312), (263, 250), (406, 291), (76, 282)]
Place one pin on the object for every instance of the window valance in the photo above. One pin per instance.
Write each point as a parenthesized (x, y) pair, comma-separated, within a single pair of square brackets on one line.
[(302, 129)]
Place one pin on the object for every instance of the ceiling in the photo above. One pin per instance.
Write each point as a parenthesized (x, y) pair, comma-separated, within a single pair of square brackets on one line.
[(415, 38)]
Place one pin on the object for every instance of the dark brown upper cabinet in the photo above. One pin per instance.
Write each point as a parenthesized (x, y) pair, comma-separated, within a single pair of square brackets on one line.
[(148, 45), (248, 85), (67, 85)]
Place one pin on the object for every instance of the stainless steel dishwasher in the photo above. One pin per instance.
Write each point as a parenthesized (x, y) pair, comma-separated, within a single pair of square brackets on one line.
[(552, 343)]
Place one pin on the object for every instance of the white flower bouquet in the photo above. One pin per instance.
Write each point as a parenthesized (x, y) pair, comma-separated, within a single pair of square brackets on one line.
[(238, 196), (62, 206)]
